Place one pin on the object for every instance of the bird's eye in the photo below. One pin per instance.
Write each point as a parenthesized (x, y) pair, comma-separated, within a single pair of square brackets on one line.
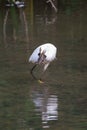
[(38, 54)]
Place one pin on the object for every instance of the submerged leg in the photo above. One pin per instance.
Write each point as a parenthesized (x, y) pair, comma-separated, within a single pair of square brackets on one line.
[(31, 71), (45, 67)]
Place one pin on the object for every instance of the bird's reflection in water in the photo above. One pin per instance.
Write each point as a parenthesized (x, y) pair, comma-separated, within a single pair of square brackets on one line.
[(15, 26), (46, 105)]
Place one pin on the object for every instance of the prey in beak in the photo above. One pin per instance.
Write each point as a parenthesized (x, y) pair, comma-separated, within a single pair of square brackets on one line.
[(41, 60)]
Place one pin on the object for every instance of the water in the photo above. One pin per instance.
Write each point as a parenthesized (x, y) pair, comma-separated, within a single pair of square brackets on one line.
[(60, 102)]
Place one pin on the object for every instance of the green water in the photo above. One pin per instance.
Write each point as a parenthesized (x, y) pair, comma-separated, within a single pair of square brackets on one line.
[(60, 103)]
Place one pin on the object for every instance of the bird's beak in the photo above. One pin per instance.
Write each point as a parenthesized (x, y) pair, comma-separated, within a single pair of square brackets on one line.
[(41, 59)]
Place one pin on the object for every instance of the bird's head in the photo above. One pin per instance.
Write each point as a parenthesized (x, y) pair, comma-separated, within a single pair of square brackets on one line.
[(42, 56)]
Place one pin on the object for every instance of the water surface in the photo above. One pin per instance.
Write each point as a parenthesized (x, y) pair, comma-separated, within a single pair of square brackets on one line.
[(60, 102)]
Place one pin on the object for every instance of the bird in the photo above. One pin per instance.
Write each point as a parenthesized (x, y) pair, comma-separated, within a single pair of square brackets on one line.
[(43, 55)]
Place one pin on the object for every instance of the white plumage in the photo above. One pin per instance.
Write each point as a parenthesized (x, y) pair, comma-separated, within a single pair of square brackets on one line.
[(50, 52), (44, 54)]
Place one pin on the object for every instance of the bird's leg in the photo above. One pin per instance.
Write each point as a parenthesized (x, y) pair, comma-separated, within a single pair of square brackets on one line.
[(45, 67), (31, 71), (41, 80)]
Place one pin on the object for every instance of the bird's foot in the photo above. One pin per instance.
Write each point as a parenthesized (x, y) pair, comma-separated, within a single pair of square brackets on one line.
[(40, 81)]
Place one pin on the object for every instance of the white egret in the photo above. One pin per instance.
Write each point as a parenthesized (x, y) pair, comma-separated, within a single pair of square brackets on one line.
[(43, 55)]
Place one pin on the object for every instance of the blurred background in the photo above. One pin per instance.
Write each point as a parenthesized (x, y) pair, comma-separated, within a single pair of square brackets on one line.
[(60, 103)]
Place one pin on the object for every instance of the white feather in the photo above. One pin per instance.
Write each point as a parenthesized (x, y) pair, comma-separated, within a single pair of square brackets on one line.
[(50, 52)]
